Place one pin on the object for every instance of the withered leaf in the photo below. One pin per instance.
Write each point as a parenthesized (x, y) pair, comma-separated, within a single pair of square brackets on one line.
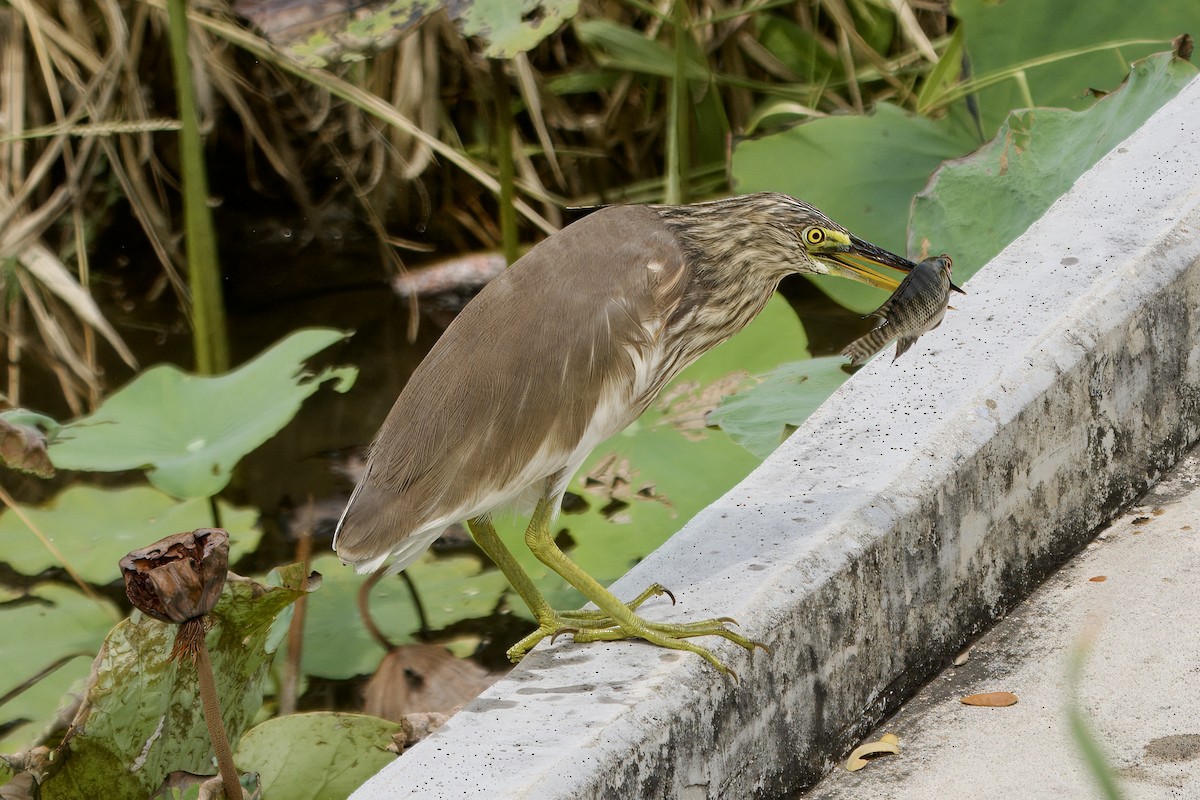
[(990, 699), (23, 447), (888, 744)]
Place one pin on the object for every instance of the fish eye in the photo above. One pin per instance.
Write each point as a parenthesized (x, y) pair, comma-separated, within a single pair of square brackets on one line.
[(814, 235)]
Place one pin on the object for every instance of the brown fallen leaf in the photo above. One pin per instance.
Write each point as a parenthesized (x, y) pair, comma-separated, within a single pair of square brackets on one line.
[(888, 744), (1098, 579), (415, 727), (422, 677), (962, 657), (990, 699), (23, 447)]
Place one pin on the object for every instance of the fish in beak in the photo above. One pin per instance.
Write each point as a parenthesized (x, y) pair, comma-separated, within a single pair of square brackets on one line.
[(864, 262), (861, 261)]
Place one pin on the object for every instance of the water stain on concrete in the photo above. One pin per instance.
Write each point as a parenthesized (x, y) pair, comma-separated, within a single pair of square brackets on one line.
[(1176, 748)]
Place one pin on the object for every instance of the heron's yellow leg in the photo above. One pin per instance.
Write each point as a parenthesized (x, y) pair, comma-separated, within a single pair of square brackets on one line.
[(625, 624), (550, 622)]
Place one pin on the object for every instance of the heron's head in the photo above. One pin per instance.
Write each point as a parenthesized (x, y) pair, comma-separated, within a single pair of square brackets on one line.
[(826, 248), (777, 234)]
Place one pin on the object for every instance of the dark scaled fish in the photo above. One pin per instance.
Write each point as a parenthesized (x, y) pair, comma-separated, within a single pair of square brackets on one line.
[(916, 307)]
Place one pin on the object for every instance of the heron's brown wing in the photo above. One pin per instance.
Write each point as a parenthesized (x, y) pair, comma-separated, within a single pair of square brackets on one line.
[(506, 394)]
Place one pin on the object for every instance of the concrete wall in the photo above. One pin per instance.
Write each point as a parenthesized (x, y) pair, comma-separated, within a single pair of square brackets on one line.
[(916, 506)]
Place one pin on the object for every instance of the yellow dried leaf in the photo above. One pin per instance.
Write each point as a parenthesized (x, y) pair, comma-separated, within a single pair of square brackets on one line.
[(888, 744), (1098, 579), (990, 699)]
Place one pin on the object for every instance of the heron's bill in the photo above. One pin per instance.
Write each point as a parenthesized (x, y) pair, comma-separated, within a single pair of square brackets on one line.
[(864, 260)]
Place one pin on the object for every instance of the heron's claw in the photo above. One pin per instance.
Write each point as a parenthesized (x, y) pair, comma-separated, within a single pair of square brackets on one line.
[(597, 626)]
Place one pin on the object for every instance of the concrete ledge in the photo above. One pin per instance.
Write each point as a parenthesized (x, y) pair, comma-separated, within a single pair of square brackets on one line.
[(914, 508)]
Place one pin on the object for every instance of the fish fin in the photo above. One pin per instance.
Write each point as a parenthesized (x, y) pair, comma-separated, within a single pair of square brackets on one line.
[(902, 345)]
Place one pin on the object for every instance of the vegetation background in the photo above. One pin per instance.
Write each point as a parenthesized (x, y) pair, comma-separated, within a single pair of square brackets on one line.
[(329, 155)]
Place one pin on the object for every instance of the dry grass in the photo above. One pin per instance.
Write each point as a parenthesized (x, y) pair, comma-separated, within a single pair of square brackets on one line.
[(405, 135)]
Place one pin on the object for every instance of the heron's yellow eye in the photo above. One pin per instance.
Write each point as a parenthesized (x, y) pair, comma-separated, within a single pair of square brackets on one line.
[(814, 235)]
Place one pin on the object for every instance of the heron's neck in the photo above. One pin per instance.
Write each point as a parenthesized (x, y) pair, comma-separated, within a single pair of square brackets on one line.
[(736, 257)]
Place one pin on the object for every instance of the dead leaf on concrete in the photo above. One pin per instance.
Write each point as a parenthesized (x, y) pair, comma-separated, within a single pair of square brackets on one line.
[(962, 657), (1098, 579), (415, 727), (990, 699), (888, 744), (423, 677)]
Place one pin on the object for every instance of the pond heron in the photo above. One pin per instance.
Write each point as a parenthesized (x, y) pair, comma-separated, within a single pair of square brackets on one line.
[(563, 350)]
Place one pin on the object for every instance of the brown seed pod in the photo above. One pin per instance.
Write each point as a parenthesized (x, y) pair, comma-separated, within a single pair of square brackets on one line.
[(178, 578)]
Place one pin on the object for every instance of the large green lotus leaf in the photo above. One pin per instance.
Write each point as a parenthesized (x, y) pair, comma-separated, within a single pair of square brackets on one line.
[(1000, 35), (142, 717), (666, 466), (49, 625), (974, 206), (763, 415), (317, 756), (93, 528), (188, 431), (861, 171), (337, 646)]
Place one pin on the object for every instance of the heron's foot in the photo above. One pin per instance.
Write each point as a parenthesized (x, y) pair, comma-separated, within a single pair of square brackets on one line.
[(556, 623), (596, 626), (653, 590)]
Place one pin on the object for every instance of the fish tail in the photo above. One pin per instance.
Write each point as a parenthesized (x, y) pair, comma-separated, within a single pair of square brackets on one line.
[(866, 346)]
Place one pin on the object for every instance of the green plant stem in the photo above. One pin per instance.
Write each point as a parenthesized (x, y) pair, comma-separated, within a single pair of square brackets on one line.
[(504, 160), (210, 340), (212, 716), (1081, 729), (678, 140)]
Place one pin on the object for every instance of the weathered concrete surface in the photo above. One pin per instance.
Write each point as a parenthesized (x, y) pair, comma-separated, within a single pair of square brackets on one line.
[(913, 509), (1137, 689)]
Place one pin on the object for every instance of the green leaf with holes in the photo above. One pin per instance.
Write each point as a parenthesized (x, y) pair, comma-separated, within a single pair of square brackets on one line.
[(143, 719), (188, 431), (974, 206), (510, 27)]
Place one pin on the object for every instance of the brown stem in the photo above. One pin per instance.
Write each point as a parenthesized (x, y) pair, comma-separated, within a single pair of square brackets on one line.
[(291, 667), (212, 715)]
